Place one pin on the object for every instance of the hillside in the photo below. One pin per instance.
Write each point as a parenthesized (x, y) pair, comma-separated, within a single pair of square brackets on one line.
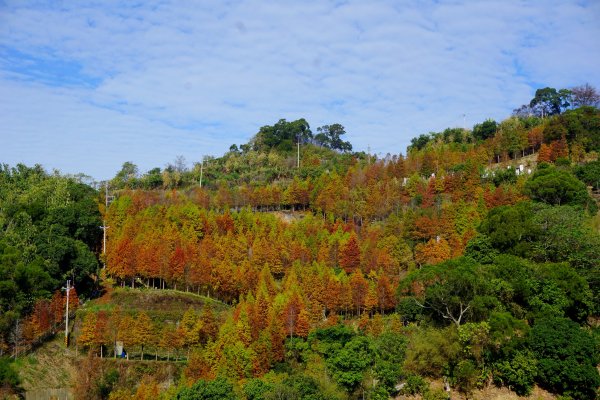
[(52, 370), (444, 255), (48, 371), (146, 319), (347, 276)]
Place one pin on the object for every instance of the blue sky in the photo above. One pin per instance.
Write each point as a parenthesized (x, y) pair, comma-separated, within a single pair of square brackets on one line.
[(88, 85)]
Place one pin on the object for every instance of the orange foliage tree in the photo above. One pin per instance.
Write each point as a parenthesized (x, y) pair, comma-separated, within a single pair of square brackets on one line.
[(350, 255), (432, 252)]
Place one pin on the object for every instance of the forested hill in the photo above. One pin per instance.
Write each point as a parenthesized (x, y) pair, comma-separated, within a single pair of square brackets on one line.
[(439, 259), (474, 259), (270, 157), (49, 233)]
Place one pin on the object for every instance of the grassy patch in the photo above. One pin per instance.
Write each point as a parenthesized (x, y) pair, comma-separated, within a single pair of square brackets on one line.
[(160, 305), (48, 367), (156, 300)]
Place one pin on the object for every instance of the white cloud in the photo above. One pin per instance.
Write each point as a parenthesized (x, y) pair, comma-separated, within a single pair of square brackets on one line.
[(180, 78)]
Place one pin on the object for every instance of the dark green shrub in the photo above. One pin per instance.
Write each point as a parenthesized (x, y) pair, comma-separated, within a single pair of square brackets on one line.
[(567, 358), (518, 373), (414, 385)]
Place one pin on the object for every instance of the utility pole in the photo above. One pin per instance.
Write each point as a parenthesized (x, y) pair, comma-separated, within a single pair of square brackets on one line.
[(201, 168), (67, 314), (16, 337), (107, 199), (464, 122), (298, 163), (104, 227)]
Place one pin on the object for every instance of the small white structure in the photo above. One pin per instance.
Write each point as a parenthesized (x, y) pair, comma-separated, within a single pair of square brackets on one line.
[(119, 348)]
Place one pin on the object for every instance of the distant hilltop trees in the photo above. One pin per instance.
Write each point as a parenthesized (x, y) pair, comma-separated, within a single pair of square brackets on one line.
[(556, 123), (283, 135), (549, 101)]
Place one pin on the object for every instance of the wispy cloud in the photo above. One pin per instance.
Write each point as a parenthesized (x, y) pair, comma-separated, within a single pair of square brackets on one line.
[(87, 86)]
